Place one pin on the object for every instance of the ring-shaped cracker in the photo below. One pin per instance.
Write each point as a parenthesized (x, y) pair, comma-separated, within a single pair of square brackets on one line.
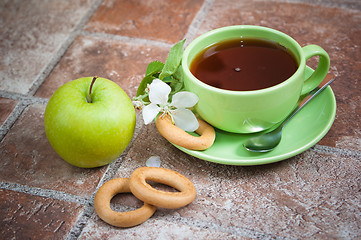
[(181, 138), (145, 192), (119, 219)]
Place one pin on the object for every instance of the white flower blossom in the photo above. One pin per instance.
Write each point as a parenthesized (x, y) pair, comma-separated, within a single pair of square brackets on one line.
[(153, 161), (158, 96)]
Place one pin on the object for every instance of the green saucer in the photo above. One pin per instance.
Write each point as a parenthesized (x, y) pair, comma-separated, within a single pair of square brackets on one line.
[(308, 127)]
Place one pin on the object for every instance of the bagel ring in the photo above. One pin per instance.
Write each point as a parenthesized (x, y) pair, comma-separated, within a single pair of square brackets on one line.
[(145, 192), (119, 219), (181, 138)]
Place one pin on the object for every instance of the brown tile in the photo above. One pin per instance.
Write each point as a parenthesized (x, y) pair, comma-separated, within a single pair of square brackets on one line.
[(311, 25), (6, 107), (30, 217), (31, 33), (312, 195), (27, 158), (123, 62), (166, 21)]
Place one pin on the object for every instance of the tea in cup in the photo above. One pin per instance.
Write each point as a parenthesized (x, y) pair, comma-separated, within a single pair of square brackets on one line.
[(249, 78)]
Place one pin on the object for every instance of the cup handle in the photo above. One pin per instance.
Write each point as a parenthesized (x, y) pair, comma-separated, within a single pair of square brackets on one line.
[(322, 68)]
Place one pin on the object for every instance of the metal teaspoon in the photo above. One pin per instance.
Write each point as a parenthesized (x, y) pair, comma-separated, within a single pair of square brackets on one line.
[(268, 141)]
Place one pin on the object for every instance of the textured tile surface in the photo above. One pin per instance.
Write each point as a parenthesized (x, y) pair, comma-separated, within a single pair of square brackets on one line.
[(303, 197), (24, 216), (26, 151), (31, 36), (45, 44), (163, 20), (316, 25), (120, 61), (6, 107)]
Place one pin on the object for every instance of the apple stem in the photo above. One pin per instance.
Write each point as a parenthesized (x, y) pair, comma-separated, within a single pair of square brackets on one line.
[(90, 89)]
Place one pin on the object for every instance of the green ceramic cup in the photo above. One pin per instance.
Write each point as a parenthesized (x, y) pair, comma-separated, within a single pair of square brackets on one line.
[(258, 110)]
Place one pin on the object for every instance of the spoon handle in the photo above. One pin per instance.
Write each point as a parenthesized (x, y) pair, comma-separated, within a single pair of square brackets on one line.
[(327, 81)]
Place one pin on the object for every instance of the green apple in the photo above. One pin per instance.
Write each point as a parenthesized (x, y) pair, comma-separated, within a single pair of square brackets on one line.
[(89, 121)]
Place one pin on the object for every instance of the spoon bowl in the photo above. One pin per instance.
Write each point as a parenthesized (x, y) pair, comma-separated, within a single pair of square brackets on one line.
[(265, 142)]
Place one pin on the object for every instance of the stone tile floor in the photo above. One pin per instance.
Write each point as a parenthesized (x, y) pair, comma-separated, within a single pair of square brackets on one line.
[(44, 44)]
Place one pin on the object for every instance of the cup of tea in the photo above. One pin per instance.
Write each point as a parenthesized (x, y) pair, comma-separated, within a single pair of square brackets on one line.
[(249, 78)]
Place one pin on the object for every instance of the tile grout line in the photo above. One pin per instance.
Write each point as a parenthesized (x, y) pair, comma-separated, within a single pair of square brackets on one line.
[(23, 102), (40, 192), (112, 168), (11, 119), (21, 97), (349, 7), (84, 217), (198, 20), (337, 151), (29, 99), (122, 38), (44, 73)]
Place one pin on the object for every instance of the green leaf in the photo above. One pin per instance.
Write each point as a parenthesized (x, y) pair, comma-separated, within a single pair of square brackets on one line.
[(143, 84), (168, 79), (178, 74), (173, 60), (153, 70), (177, 81), (176, 86), (154, 67), (170, 72)]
